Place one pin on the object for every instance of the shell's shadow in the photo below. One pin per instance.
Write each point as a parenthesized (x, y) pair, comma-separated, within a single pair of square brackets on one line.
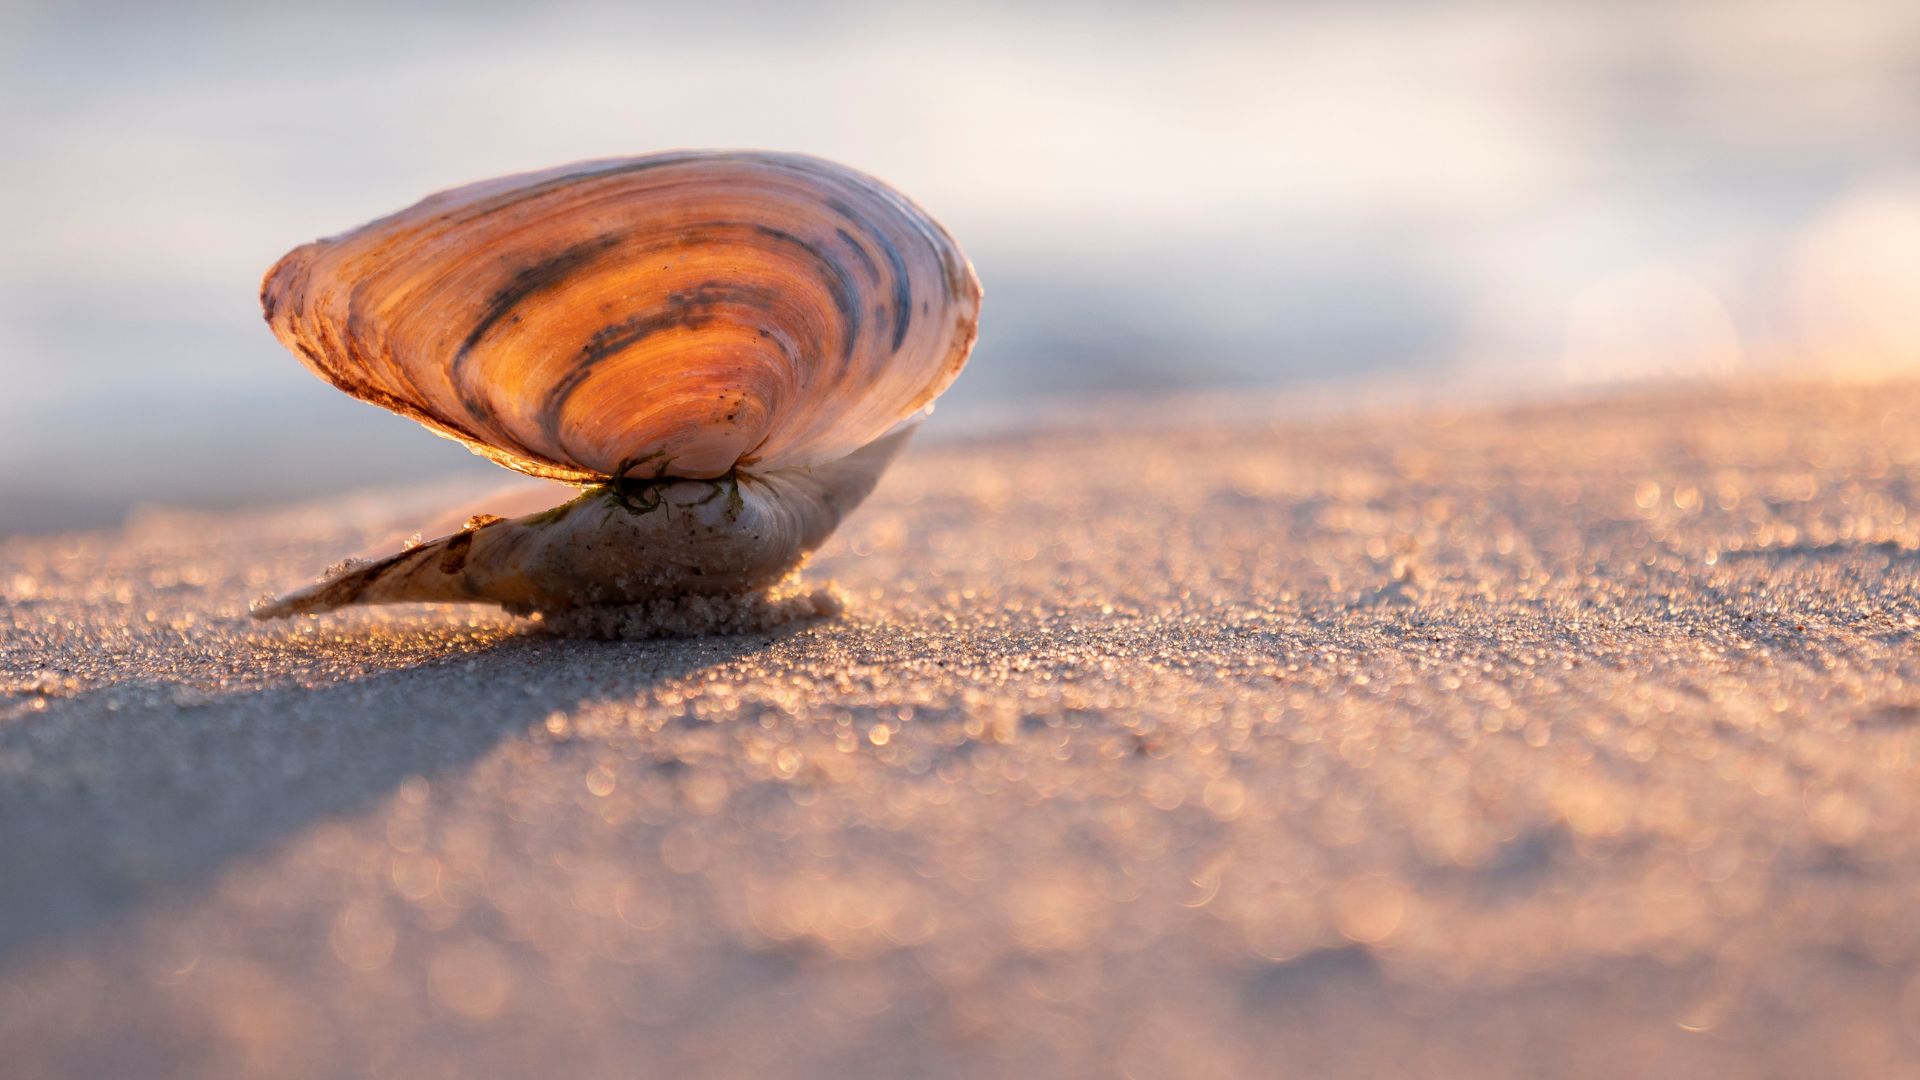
[(122, 797)]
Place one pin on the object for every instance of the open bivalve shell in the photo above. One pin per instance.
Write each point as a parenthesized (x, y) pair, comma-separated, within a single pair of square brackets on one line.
[(724, 348)]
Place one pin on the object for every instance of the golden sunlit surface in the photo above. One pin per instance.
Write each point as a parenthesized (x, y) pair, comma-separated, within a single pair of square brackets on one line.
[(675, 314), (1574, 740)]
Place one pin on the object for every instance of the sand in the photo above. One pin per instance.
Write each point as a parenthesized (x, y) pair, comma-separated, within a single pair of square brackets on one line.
[(1563, 740)]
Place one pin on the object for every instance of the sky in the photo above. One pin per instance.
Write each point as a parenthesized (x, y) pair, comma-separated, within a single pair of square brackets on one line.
[(1525, 197)]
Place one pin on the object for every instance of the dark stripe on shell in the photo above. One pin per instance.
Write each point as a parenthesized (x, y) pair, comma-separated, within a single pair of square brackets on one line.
[(866, 260), (528, 282), (902, 287), (692, 310), (845, 296), (508, 199), (686, 309)]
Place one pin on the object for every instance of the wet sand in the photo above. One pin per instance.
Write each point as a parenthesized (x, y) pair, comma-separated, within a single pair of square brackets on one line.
[(1567, 740)]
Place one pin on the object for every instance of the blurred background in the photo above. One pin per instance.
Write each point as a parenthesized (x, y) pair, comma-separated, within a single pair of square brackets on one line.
[(1349, 198)]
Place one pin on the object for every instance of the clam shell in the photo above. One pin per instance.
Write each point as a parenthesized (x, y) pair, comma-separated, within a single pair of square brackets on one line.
[(726, 348), (673, 315), (671, 538)]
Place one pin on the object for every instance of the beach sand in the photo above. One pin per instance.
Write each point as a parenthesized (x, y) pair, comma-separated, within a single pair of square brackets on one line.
[(1573, 740)]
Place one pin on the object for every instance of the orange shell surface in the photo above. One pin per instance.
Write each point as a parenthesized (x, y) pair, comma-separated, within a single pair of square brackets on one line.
[(678, 314)]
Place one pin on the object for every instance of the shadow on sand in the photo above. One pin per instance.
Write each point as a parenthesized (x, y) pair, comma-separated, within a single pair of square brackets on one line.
[(125, 795)]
